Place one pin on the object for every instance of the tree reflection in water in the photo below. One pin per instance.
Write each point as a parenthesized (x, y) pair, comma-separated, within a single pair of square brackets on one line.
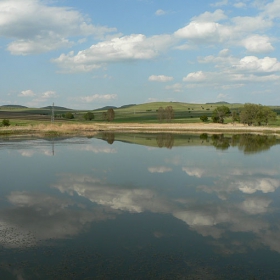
[(165, 140), (248, 143), (109, 137)]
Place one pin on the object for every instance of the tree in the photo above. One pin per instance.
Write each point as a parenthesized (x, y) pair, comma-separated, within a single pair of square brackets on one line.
[(254, 113), (220, 113), (110, 114), (68, 115), (167, 113), (161, 114), (5, 122), (204, 118), (235, 117), (88, 116), (267, 114)]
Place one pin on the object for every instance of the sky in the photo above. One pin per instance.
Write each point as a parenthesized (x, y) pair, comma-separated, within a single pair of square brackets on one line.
[(89, 54)]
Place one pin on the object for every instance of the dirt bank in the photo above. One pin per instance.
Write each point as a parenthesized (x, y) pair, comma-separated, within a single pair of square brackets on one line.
[(93, 128)]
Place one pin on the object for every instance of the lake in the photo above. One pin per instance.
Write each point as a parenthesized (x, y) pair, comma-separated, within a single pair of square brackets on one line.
[(140, 206)]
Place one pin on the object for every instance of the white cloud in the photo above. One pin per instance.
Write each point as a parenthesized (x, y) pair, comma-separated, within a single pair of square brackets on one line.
[(239, 5), (220, 3), (159, 169), (160, 12), (258, 44), (176, 87), (237, 31), (48, 94), (255, 65), (249, 24), (272, 9), (195, 77), (36, 27), (126, 48), (160, 78), (97, 97), (27, 93), (204, 31), (210, 17), (234, 72), (222, 96)]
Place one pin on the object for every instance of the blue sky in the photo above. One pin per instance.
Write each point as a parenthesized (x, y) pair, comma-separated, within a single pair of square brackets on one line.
[(88, 54)]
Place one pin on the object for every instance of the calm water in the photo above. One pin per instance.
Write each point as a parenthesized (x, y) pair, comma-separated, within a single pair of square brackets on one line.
[(140, 207)]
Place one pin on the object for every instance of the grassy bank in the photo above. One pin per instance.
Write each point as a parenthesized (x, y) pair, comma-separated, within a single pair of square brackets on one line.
[(95, 127)]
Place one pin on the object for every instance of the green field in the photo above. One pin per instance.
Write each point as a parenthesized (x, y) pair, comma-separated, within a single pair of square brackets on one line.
[(142, 113)]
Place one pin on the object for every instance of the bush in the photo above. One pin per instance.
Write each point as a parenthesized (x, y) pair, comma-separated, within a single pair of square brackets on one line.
[(88, 116), (204, 118), (68, 115), (6, 122)]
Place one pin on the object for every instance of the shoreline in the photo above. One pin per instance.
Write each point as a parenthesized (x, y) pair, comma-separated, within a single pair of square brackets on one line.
[(95, 128)]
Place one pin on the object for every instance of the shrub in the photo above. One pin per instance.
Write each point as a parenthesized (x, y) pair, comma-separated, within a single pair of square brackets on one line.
[(204, 118), (6, 122), (69, 115), (88, 116)]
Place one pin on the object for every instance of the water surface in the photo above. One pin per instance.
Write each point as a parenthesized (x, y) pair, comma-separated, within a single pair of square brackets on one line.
[(140, 206)]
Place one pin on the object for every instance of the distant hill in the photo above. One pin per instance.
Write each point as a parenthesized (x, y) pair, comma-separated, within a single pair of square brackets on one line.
[(56, 108), (126, 106), (106, 108), (13, 106), (219, 102)]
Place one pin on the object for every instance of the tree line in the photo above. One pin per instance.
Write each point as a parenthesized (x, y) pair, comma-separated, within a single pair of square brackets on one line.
[(250, 114)]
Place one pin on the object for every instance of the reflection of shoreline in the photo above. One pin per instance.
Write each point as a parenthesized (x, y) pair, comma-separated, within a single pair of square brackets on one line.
[(248, 143)]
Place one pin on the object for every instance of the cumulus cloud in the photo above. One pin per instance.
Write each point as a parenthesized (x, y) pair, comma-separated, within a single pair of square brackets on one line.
[(36, 27), (202, 31), (48, 94), (27, 93), (175, 88), (126, 48), (220, 3), (255, 64), (272, 9), (234, 72), (210, 17), (239, 5), (160, 78), (160, 12), (159, 169), (258, 44), (236, 31), (195, 77)]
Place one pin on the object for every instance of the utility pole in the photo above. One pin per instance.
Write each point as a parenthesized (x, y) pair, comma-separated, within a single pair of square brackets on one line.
[(52, 117)]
